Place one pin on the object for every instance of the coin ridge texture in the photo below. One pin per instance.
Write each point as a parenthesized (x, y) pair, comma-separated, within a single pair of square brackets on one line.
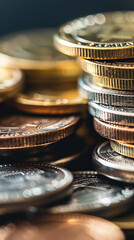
[(113, 165), (114, 132), (125, 149), (97, 37), (103, 95), (27, 131), (115, 115)]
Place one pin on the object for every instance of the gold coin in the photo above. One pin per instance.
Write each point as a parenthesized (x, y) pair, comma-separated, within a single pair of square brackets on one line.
[(50, 101), (123, 148), (33, 51), (10, 83), (100, 36)]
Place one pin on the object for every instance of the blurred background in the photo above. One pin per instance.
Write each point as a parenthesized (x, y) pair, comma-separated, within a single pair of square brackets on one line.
[(24, 14)]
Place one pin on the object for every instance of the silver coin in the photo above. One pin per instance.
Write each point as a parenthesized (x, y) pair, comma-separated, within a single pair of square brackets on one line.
[(116, 115), (113, 165), (22, 185), (93, 193), (104, 95)]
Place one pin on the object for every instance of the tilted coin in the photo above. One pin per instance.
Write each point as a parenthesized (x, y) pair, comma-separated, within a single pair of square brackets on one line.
[(115, 115), (50, 101), (62, 226), (11, 82), (103, 95), (100, 36), (95, 194), (114, 132), (113, 165), (23, 185), (17, 131), (125, 149)]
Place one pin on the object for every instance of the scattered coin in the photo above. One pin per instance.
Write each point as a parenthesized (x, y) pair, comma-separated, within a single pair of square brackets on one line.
[(114, 132), (125, 149), (113, 165)]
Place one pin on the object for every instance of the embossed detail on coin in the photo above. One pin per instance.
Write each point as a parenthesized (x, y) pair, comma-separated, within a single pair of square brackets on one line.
[(125, 149)]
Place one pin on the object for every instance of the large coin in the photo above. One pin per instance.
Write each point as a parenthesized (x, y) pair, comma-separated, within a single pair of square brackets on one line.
[(100, 36), (23, 185), (114, 132), (17, 131), (72, 227), (115, 115), (103, 95), (125, 149), (113, 165)]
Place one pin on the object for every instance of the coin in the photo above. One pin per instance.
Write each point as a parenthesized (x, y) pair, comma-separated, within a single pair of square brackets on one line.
[(103, 95), (50, 101), (22, 131), (125, 149), (99, 36), (115, 115), (126, 222), (113, 165), (11, 82), (23, 185), (65, 227), (114, 132)]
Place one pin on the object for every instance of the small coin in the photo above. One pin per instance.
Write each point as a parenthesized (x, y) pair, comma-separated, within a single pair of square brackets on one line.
[(114, 132), (25, 184), (22, 131), (100, 36), (115, 115), (125, 149), (103, 95), (50, 101), (10, 83), (65, 227), (113, 165)]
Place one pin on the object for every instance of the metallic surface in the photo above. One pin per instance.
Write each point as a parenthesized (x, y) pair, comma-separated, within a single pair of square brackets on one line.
[(114, 132), (113, 165), (100, 36), (126, 222), (125, 149)]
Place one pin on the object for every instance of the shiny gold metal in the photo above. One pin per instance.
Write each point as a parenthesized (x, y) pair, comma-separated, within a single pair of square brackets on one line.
[(114, 132), (100, 36), (123, 148)]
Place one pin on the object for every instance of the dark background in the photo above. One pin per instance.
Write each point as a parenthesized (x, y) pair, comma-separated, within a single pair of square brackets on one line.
[(24, 14)]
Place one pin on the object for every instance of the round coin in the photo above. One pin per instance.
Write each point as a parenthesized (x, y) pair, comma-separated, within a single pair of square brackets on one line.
[(100, 36), (114, 132), (115, 115), (113, 165), (62, 227), (125, 149), (103, 95), (10, 83), (23, 131), (23, 185)]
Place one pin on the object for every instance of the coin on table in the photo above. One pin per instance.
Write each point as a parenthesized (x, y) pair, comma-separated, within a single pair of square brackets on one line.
[(99, 36), (33, 52), (123, 148), (104, 95), (62, 226), (11, 82), (23, 185), (115, 115), (114, 132), (50, 101), (112, 164), (24, 131)]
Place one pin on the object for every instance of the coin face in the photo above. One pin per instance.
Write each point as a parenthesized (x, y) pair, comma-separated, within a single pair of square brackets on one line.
[(125, 149), (113, 165), (51, 101), (100, 36), (95, 194), (63, 227), (27, 131)]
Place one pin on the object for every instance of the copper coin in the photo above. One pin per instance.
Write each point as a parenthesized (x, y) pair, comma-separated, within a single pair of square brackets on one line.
[(59, 227), (17, 131), (114, 132)]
